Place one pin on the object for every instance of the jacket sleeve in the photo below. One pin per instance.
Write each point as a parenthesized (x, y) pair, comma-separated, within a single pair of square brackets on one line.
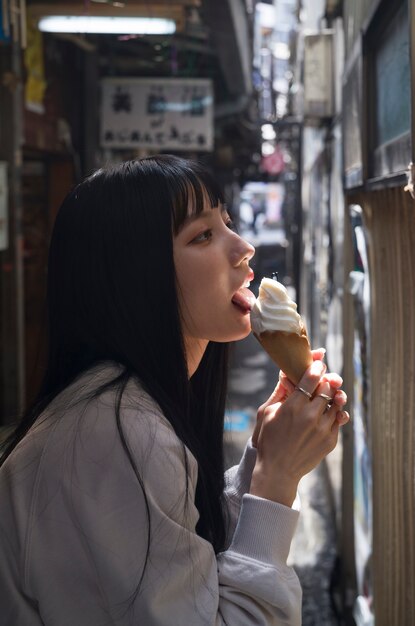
[(237, 484), (98, 525)]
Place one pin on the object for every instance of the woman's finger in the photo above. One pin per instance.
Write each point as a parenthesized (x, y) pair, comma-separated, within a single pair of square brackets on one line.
[(278, 395), (336, 416), (318, 354), (289, 385), (324, 396), (310, 381), (286, 383), (342, 417), (333, 379), (340, 398)]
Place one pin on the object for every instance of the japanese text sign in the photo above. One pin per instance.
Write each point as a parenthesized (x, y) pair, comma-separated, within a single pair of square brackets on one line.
[(162, 114)]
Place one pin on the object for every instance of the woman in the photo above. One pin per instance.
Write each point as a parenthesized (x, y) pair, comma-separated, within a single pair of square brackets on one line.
[(115, 509)]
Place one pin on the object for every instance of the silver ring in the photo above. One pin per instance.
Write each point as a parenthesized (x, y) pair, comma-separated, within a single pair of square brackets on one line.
[(325, 396), (305, 392)]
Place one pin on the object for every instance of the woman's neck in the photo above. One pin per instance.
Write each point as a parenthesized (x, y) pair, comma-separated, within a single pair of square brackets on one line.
[(195, 349)]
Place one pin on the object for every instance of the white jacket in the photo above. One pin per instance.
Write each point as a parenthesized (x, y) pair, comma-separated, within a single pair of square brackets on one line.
[(73, 526)]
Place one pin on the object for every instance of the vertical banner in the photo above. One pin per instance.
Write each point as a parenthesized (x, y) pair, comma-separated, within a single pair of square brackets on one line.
[(160, 114), (13, 21), (4, 223), (35, 86), (318, 75), (4, 20)]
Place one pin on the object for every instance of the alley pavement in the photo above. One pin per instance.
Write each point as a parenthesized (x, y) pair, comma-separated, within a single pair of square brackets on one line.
[(313, 554)]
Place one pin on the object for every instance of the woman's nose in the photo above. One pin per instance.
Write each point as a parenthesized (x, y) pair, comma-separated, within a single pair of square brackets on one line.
[(243, 251)]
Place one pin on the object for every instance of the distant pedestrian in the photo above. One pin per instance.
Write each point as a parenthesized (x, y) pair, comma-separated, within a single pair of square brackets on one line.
[(114, 504), (258, 208)]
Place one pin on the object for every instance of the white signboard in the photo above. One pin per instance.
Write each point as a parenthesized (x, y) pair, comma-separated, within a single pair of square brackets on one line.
[(4, 224), (318, 75), (156, 113)]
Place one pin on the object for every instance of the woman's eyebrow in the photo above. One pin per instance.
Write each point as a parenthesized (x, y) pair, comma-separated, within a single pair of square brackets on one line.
[(195, 216), (205, 213)]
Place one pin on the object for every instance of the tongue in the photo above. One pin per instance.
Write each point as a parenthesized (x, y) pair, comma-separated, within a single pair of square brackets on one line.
[(244, 299)]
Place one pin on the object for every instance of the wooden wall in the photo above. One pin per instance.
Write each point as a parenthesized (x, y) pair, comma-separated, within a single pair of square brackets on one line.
[(390, 219)]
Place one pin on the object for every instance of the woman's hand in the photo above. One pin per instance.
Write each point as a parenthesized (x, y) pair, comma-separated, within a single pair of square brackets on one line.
[(294, 433), (285, 388)]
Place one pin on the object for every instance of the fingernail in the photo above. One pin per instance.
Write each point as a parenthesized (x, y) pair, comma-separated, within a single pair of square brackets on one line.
[(342, 416), (340, 398)]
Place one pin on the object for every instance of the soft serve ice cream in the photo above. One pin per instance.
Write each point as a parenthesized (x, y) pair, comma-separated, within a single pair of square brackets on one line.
[(280, 330), (274, 309)]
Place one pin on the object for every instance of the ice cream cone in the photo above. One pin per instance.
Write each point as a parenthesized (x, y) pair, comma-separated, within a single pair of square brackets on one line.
[(290, 351), (280, 330)]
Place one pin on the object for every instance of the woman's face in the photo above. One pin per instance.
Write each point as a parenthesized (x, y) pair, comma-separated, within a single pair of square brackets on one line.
[(212, 269)]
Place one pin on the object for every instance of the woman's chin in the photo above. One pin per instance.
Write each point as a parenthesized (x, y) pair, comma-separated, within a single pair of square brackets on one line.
[(243, 332), (232, 330)]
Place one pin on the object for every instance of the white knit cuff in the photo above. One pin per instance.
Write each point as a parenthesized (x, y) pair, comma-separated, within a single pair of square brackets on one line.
[(265, 530)]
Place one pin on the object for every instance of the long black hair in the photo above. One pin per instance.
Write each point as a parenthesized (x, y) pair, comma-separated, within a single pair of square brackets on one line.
[(112, 295)]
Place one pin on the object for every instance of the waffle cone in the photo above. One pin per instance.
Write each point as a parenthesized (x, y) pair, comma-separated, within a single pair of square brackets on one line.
[(290, 351)]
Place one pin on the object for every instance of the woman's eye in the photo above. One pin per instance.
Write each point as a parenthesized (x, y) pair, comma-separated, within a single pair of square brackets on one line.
[(205, 236)]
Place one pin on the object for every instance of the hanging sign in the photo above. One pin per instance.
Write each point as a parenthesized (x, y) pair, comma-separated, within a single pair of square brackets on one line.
[(160, 114), (35, 85), (318, 75)]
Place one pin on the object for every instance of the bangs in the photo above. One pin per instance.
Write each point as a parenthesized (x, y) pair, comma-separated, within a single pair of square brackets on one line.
[(185, 187), (191, 191)]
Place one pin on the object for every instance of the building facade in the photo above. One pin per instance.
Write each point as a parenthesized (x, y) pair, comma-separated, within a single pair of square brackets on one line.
[(358, 284)]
